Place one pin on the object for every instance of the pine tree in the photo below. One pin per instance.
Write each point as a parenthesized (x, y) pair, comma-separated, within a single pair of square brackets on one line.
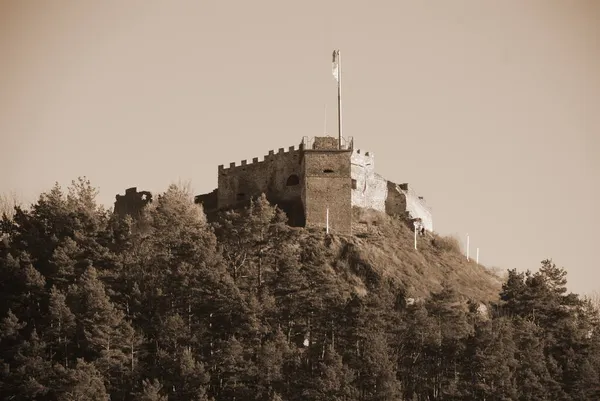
[(489, 365), (151, 391), (82, 383), (193, 379), (103, 334), (270, 364), (534, 381), (60, 329), (31, 371)]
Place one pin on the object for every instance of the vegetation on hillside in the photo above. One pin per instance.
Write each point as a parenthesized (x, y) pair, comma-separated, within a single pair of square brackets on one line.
[(8, 203), (171, 307)]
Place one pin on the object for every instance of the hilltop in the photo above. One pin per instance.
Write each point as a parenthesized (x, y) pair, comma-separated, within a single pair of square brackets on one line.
[(382, 247), (171, 306), (388, 246)]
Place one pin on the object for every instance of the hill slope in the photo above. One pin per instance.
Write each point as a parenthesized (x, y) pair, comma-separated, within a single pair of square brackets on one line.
[(248, 308), (388, 247), (382, 247)]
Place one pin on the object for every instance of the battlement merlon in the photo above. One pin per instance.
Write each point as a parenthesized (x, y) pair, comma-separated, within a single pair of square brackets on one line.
[(363, 159), (270, 156), (361, 152), (316, 143)]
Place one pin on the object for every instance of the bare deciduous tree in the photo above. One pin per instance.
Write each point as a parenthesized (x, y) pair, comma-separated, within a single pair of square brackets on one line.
[(594, 298), (8, 202)]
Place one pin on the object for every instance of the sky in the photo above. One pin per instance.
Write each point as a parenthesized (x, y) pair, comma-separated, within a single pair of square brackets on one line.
[(489, 109)]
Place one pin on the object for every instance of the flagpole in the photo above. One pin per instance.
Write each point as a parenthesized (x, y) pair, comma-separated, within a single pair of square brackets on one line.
[(339, 99)]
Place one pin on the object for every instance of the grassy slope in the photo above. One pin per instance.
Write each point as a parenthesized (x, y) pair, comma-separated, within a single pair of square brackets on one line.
[(385, 246)]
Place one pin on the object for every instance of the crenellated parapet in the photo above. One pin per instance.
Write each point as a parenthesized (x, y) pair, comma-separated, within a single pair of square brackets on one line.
[(362, 158), (323, 176), (258, 162), (362, 152)]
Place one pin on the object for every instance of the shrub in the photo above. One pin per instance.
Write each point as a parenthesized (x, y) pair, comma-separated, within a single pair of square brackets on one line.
[(446, 244)]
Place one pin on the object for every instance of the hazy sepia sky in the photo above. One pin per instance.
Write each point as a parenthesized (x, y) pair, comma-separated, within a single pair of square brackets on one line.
[(490, 109)]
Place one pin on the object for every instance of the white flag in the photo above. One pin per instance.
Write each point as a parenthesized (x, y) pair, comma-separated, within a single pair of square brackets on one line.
[(336, 65)]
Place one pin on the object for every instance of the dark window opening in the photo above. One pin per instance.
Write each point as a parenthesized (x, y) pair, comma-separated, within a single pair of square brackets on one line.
[(241, 196), (328, 170), (353, 184), (292, 180)]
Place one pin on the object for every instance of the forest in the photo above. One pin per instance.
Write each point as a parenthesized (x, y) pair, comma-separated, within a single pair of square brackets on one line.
[(169, 306)]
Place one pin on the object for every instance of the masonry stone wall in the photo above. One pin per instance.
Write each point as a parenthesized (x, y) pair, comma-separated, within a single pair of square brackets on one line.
[(279, 176), (372, 191), (209, 201), (327, 184), (416, 208), (369, 189), (304, 182), (395, 202), (132, 202), (271, 176), (403, 197)]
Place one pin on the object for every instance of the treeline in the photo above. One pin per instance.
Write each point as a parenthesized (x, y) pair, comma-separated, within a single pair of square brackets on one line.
[(169, 307)]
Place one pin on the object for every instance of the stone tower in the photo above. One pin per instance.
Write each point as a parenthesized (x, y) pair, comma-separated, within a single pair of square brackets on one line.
[(304, 182), (327, 183)]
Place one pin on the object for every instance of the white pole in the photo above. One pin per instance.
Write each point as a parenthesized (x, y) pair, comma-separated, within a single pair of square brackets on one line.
[(467, 247), (327, 220), (339, 98), (477, 255), (415, 225)]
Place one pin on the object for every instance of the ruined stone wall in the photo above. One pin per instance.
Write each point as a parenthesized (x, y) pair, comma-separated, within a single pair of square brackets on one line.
[(395, 202), (402, 197), (416, 207), (132, 202), (304, 182), (327, 184), (208, 201), (369, 189)]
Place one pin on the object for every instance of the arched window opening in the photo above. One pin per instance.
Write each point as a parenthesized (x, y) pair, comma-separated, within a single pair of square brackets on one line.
[(292, 180), (353, 183)]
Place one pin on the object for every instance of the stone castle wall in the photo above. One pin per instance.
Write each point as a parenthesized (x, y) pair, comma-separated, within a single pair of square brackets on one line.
[(278, 176), (132, 202), (369, 189), (307, 180), (327, 185), (414, 206)]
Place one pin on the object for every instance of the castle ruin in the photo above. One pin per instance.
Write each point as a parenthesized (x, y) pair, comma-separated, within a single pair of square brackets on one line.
[(318, 182), (132, 202)]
